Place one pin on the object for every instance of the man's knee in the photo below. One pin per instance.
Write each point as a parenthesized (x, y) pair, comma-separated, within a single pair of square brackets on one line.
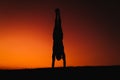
[(53, 56), (63, 56)]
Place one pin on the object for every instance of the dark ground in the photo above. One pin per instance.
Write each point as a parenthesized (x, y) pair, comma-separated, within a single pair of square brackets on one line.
[(69, 73)]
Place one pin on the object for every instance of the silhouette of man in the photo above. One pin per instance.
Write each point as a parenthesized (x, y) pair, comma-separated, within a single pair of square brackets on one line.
[(58, 48)]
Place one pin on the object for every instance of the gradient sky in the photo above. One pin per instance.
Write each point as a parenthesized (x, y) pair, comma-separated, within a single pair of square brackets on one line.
[(91, 32)]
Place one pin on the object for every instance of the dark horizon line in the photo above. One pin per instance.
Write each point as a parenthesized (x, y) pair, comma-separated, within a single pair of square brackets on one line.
[(100, 66)]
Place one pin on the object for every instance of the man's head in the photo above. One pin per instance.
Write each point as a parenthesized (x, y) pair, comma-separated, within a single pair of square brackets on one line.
[(57, 10)]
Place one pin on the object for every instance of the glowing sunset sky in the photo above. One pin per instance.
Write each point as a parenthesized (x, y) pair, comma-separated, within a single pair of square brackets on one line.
[(91, 33)]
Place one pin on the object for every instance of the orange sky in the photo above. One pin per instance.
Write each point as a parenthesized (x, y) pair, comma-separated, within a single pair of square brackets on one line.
[(26, 35)]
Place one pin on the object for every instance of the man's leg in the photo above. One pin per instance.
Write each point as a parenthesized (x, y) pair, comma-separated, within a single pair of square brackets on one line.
[(64, 60), (53, 60)]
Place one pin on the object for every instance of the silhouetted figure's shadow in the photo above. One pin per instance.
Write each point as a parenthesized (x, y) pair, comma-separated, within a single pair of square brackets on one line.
[(58, 47)]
